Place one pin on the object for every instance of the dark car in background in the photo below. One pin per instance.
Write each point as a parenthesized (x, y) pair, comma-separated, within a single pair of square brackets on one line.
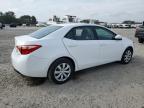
[(13, 25), (1, 25), (140, 33)]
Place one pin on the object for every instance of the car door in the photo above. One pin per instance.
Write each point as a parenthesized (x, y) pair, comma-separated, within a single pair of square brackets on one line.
[(110, 49), (82, 44)]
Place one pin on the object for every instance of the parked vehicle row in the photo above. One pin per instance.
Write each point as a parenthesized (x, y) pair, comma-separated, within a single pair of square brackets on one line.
[(121, 25), (10, 25), (57, 51)]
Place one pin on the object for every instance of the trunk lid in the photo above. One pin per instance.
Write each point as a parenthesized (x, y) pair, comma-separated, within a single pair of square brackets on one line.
[(23, 40)]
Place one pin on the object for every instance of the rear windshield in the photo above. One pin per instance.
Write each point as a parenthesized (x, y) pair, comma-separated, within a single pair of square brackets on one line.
[(44, 31)]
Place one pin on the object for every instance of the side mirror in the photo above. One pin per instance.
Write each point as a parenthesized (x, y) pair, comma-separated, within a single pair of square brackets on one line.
[(118, 37)]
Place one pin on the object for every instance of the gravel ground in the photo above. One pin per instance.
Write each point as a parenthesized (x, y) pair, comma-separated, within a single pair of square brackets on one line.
[(109, 86)]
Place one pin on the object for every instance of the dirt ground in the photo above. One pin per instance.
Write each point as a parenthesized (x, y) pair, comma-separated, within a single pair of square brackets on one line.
[(109, 86)]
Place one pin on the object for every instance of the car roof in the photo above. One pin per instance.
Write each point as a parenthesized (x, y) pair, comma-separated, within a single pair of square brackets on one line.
[(76, 24), (72, 25)]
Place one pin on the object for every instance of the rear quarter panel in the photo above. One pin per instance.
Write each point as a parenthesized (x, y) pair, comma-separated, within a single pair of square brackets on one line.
[(51, 50)]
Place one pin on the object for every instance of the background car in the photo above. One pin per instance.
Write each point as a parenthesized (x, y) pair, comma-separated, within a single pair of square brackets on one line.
[(13, 25), (57, 51), (1, 25), (140, 33)]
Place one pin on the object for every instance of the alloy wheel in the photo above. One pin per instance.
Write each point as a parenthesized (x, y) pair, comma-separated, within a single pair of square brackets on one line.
[(62, 72), (127, 56)]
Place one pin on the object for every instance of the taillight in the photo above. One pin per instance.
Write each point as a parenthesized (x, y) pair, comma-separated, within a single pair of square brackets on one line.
[(27, 49)]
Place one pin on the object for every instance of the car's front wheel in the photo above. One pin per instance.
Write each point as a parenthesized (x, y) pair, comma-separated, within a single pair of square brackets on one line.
[(127, 56), (61, 71)]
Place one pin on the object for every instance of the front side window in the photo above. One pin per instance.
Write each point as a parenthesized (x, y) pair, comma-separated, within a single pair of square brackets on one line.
[(44, 31), (81, 33), (104, 34)]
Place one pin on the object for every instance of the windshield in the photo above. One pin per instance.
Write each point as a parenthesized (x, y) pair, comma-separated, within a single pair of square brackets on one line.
[(44, 31)]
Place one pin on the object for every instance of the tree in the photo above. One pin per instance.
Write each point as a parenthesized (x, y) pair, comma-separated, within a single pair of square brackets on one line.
[(8, 17), (1, 13), (33, 20), (1, 18), (26, 19), (10, 13), (128, 22)]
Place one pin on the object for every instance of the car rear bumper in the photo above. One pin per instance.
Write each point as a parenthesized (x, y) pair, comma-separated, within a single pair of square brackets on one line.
[(19, 72), (29, 65)]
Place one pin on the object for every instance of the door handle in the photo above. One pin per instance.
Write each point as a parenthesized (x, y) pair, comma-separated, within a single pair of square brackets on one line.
[(72, 45), (103, 44)]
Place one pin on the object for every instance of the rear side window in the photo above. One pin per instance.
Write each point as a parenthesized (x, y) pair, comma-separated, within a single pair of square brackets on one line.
[(44, 31), (81, 33)]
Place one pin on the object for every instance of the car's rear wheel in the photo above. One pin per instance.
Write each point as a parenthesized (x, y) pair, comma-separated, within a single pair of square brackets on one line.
[(140, 40), (127, 56), (61, 71)]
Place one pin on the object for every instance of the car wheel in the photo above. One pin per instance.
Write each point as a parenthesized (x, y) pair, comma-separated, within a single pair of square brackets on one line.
[(127, 56), (140, 40), (61, 71)]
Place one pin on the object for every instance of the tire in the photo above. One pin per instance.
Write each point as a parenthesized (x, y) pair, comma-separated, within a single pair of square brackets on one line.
[(61, 71), (140, 40), (127, 56)]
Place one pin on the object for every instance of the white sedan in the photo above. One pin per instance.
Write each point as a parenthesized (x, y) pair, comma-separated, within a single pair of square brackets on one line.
[(57, 51)]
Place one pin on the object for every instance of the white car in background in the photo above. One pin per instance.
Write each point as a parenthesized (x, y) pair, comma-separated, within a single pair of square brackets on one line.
[(57, 51)]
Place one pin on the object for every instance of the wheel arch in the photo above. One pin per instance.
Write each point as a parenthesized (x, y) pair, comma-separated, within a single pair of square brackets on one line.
[(66, 57), (128, 47)]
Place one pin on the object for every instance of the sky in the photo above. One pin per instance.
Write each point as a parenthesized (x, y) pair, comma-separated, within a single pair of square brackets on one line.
[(103, 10)]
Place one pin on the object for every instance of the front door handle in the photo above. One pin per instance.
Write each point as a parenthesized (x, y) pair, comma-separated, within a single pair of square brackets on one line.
[(103, 44), (72, 45)]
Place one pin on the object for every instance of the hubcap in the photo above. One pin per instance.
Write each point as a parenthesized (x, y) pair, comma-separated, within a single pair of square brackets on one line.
[(62, 72), (128, 55)]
